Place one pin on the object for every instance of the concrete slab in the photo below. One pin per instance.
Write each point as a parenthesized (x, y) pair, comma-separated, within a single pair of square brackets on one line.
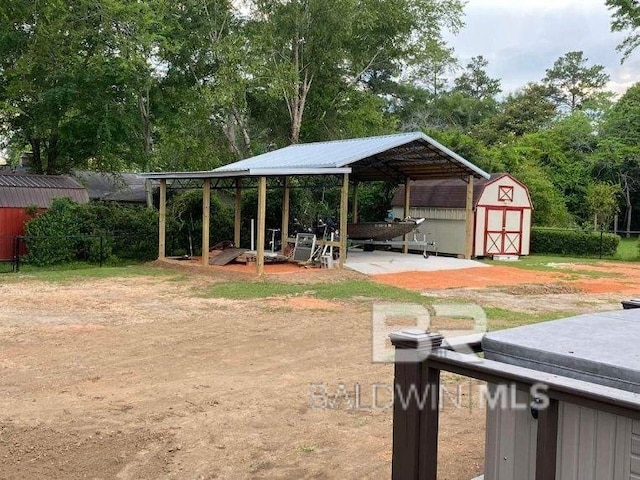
[(379, 262)]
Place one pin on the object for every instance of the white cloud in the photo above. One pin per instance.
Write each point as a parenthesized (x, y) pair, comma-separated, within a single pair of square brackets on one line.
[(522, 38)]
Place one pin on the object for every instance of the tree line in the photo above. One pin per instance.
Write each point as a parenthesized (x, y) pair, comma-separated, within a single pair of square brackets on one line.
[(114, 85)]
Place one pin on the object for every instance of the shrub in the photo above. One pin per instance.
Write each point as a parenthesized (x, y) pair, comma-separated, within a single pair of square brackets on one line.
[(572, 242), (53, 237), (128, 232), (185, 212), (68, 231)]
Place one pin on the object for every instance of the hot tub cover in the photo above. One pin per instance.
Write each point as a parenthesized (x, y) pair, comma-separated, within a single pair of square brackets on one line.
[(602, 348)]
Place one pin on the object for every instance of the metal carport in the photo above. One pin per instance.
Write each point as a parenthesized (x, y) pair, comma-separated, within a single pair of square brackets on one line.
[(401, 157)]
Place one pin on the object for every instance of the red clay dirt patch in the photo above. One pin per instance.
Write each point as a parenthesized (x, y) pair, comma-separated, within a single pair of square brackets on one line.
[(269, 268), (478, 277), (618, 277), (606, 285)]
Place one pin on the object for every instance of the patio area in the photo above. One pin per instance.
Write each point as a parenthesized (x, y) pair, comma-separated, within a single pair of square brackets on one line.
[(381, 262)]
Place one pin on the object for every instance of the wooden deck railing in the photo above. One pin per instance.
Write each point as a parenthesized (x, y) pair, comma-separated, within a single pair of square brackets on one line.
[(420, 356)]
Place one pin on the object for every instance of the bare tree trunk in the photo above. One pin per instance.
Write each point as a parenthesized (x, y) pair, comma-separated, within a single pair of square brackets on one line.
[(143, 105), (297, 96), (236, 121), (242, 125), (626, 189), (52, 156), (229, 130), (36, 162), (297, 108)]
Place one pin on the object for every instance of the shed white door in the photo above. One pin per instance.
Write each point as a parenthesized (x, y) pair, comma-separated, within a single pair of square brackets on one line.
[(503, 231)]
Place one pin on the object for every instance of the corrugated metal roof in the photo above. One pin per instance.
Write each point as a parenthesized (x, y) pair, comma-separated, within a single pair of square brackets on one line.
[(38, 181), (415, 155), (117, 187), (444, 193), (20, 191)]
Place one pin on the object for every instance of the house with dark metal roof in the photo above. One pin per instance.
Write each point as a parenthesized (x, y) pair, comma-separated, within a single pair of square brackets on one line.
[(501, 210), (126, 188), (19, 194)]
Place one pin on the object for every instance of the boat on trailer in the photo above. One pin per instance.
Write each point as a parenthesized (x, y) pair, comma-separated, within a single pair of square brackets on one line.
[(380, 231)]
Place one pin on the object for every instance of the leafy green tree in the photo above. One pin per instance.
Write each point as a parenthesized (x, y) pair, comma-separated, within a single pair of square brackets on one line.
[(525, 111), (72, 73), (433, 74), (475, 82), (470, 102), (342, 46), (602, 202), (573, 82), (562, 151), (549, 204), (617, 158), (452, 110), (466, 146), (201, 104), (626, 17)]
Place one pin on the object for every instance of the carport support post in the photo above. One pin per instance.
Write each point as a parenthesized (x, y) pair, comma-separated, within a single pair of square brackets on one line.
[(407, 206), (237, 218), (468, 248), (354, 204), (162, 220), (262, 218), (284, 229), (344, 211), (206, 214)]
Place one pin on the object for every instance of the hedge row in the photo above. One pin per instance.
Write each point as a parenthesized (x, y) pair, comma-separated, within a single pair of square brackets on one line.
[(572, 242), (68, 231)]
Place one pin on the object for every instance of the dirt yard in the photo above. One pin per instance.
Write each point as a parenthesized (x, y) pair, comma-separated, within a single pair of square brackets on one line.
[(143, 377)]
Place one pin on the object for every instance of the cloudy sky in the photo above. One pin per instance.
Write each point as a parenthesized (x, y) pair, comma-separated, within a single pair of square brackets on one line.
[(522, 38)]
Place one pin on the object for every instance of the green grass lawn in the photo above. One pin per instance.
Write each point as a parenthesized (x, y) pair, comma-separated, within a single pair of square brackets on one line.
[(74, 271), (344, 290), (628, 250), (500, 318)]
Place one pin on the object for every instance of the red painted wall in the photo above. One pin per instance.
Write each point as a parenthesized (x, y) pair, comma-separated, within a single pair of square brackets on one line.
[(12, 222)]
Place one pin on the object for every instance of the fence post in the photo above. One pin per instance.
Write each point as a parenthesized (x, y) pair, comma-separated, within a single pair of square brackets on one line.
[(601, 235), (415, 406), (16, 253), (101, 250), (14, 257)]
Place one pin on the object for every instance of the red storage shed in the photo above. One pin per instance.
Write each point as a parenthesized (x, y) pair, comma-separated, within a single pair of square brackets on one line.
[(18, 193)]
